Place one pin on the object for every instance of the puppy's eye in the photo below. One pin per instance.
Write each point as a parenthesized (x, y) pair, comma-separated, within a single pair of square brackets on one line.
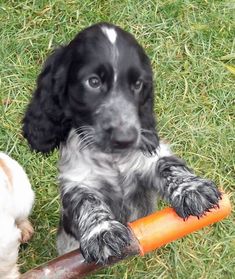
[(94, 82), (137, 86)]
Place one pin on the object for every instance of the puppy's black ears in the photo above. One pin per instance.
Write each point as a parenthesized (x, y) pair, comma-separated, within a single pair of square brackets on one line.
[(149, 135), (45, 124)]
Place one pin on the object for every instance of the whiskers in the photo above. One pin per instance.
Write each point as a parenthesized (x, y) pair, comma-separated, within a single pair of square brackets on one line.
[(86, 136)]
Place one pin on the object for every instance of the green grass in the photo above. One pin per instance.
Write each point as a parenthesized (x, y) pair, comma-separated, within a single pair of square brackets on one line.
[(194, 103)]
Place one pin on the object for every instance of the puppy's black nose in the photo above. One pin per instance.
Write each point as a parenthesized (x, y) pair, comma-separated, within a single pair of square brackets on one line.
[(123, 139)]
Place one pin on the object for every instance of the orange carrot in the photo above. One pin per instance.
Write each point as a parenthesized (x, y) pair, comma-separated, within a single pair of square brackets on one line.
[(149, 233), (165, 226)]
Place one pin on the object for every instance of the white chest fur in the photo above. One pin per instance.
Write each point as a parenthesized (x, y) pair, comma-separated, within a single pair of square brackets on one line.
[(91, 167)]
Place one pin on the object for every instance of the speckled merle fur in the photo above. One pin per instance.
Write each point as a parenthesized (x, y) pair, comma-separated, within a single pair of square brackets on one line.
[(94, 100)]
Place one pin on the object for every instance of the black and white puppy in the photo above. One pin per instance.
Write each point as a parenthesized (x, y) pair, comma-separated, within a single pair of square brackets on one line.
[(94, 99)]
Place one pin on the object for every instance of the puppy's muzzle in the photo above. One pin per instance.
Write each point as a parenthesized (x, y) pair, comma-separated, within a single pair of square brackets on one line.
[(123, 138)]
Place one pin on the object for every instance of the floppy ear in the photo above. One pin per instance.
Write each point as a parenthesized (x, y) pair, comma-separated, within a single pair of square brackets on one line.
[(150, 139), (45, 124)]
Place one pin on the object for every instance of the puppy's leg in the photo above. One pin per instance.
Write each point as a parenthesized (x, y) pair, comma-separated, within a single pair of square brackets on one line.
[(188, 194), (91, 222), (9, 245), (26, 229)]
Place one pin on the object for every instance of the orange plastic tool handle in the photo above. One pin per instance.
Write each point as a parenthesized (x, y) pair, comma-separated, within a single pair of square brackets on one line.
[(165, 226)]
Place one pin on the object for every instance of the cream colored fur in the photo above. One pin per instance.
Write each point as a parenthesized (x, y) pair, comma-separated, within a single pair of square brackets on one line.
[(16, 201)]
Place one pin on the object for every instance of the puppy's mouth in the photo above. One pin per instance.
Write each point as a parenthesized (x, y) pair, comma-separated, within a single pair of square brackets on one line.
[(112, 147), (116, 151)]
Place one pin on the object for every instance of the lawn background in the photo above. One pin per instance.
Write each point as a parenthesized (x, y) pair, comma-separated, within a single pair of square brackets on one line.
[(187, 42)]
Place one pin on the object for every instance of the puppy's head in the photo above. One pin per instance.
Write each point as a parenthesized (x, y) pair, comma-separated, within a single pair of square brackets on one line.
[(100, 84)]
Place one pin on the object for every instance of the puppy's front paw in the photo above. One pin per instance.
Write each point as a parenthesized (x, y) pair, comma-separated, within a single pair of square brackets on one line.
[(195, 197), (26, 230), (105, 240)]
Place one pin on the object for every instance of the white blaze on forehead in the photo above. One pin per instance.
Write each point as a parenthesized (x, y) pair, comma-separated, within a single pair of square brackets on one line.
[(110, 33)]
